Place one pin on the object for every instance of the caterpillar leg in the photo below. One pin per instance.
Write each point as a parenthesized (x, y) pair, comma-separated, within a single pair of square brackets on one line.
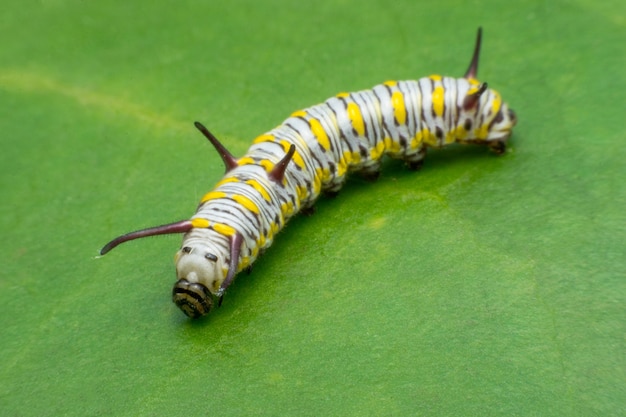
[(371, 171), (308, 211), (497, 147), (415, 161)]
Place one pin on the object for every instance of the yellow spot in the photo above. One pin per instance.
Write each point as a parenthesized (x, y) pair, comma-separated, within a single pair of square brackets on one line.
[(341, 167), (287, 209), (391, 146), (356, 157), (246, 202), (212, 195), (320, 133), (267, 164), (435, 77), (399, 109), (347, 157), (261, 241), (245, 161), (275, 228), (223, 229), (429, 138), (354, 113), (226, 181), (200, 223), (474, 81), (460, 132), (302, 192), (481, 132), (377, 151), (390, 83), (317, 184), (438, 97), (299, 113), (450, 136), (342, 95), (417, 140), (259, 188), (297, 159), (244, 262), (497, 102), (255, 251), (264, 138)]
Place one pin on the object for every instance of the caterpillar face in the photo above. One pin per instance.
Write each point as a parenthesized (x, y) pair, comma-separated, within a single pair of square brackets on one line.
[(200, 270)]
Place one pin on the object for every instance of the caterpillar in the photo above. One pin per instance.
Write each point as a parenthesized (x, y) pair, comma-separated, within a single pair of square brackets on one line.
[(287, 168)]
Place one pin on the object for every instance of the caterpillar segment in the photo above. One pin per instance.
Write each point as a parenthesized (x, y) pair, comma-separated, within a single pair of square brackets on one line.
[(311, 152)]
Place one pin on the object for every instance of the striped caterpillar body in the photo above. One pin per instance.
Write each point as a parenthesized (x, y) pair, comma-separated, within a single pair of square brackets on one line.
[(287, 168)]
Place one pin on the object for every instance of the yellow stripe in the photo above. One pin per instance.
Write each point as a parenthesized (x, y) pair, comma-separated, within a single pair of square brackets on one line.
[(200, 223), (320, 134), (342, 95), (390, 83), (246, 202), (299, 113), (354, 113), (377, 151), (497, 102), (429, 138), (302, 192), (481, 132), (223, 229), (399, 109), (391, 145), (435, 77), (245, 161), (212, 195), (267, 164), (255, 184), (226, 181), (438, 97), (264, 138), (416, 142)]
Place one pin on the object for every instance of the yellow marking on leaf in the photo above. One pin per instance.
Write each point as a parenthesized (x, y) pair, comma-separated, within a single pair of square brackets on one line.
[(246, 202), (399, 108), (320, 133), (212, 195), (200, 223), (257, 186), (438, 99), (223, 229), (354, 113)]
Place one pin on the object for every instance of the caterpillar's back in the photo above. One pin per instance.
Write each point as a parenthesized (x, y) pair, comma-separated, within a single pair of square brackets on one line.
[(286, 169)]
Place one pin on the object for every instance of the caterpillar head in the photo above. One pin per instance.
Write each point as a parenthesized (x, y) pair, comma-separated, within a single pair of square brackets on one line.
[(205, 267), (202, 270), (484, 117)]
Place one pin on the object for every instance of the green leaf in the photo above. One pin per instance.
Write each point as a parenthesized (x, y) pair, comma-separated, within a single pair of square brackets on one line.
[(481, 285)]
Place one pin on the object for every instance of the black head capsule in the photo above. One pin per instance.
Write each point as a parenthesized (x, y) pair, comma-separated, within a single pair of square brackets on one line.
[(194, 299)]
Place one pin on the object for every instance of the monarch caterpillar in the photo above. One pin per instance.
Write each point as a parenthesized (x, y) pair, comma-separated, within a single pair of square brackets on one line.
[(287, 168)]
